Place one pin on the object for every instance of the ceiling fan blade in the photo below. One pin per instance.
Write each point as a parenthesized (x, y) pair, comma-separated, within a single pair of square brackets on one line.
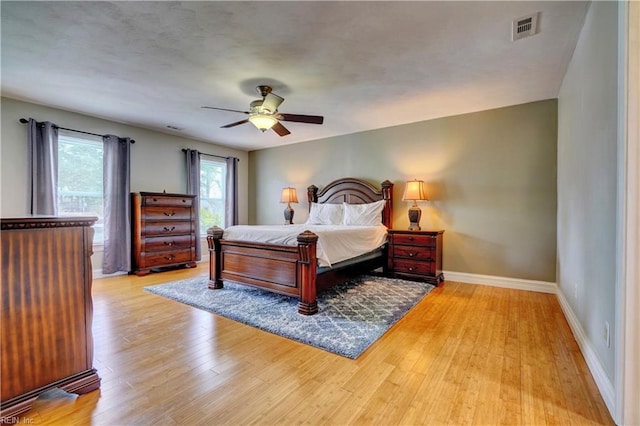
[(225, 109), (237, 123), (311, 119), (280, 129), (272, 102)]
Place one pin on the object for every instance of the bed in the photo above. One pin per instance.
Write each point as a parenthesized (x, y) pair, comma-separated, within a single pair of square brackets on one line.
[(294, 269)]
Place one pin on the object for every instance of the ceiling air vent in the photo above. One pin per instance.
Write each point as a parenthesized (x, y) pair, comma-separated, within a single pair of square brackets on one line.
[(524, 27)]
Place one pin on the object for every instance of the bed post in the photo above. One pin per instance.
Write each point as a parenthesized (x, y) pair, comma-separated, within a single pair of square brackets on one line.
[(307, 304), (312, 195), (387, 215), (213, 241)]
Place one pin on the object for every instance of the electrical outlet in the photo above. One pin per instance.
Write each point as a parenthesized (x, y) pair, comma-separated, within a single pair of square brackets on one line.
[(607, 334)]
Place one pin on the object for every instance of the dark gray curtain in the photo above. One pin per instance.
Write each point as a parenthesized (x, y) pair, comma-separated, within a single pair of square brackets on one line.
[(231, 213), (43, 167), (193, 188), (117, 205)]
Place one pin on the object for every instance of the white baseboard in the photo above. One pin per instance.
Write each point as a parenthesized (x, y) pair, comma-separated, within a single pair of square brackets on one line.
[(97, 274), (605, 386), (505, 282)]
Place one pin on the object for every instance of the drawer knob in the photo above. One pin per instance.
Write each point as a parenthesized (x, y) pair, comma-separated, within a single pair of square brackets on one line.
[(166, 228), (411, 269), (411, 254), (169, 257), (169, 214), (169, 243), (411, 238)]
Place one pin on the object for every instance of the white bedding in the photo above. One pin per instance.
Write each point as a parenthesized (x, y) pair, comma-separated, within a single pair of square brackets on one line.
[(335, 242)]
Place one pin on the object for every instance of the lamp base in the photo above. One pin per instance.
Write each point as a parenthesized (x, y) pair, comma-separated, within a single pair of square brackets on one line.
[(288, 215), (414, 218)]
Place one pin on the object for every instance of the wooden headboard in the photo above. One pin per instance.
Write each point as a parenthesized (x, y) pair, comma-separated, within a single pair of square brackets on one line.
[(354, 191)]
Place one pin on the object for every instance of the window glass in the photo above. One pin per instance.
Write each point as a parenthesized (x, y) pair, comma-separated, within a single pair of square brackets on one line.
[(80, 179), (212, 193)]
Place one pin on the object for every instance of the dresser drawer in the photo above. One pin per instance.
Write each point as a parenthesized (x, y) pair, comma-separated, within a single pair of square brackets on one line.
[(164, 258), (166, 213), (409, 267), (170, 201), (167, 228), (172, 242), (414, 240), (414, 252)]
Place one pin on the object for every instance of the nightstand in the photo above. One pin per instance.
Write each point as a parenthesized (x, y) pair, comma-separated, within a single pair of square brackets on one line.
[(415, 255)]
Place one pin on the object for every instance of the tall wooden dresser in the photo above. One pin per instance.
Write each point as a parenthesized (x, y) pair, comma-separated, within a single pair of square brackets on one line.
[(164, 231), (47, 310)]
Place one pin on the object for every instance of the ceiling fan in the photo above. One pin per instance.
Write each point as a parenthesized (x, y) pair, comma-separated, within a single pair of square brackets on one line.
[(263, 113)]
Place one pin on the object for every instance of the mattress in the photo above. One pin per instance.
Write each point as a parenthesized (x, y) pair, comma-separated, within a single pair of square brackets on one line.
[(336, 243)]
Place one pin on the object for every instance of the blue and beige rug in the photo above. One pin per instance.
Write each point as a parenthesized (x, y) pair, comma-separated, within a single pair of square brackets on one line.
[(350, 318)]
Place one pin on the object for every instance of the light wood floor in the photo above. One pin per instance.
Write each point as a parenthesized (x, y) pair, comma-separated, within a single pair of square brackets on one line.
[(466, 354)]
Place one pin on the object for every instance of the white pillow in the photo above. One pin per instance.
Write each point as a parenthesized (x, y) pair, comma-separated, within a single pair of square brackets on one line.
[(364, 214), (325, 214)]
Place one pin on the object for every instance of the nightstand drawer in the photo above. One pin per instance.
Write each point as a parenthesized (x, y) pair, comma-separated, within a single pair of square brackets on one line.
[(414, 240), (418, 268), (414, 252)]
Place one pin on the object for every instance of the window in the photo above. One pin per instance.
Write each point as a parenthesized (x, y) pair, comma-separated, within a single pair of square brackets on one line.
[(212, 193), (80, 179)]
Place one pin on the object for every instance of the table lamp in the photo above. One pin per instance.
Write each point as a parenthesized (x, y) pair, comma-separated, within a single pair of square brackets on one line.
[(414, 191), (288, 196)]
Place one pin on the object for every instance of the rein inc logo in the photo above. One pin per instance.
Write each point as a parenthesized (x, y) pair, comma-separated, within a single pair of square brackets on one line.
[(11, 420)]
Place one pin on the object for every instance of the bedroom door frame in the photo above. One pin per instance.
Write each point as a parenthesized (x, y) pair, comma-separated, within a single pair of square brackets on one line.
[(627, 371)]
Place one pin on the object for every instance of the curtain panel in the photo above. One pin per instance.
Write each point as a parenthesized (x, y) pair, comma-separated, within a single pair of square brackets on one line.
[(193, 188), (117, 204), (231, 211), (42, 141)]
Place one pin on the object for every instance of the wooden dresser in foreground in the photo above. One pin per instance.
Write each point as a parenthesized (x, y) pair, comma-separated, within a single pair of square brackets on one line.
[(416, 255), (164, 231), (46, 309)]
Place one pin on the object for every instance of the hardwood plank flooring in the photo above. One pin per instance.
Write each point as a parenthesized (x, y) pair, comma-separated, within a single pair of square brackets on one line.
[(466, 354)]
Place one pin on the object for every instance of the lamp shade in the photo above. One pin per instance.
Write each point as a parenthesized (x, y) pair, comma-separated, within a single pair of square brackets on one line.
[(414, 191), (263, 121), (289, 195)]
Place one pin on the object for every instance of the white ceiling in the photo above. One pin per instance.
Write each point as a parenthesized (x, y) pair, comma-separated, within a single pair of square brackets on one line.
[(362, 65)]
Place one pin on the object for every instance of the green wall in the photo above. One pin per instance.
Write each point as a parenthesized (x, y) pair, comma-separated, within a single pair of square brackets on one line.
[(587, 180), (491, 181)]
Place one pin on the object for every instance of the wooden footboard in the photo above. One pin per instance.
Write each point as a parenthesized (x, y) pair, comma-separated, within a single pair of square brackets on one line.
[(289, 270)]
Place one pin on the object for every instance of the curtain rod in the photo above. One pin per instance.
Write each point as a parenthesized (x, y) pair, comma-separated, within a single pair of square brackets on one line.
[(25, 121), (211, 155)]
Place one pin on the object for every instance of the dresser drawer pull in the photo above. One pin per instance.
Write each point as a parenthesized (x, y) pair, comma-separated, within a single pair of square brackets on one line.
[(411, 268), (166, 228), (170, 257), (169, 243), (169, 214), (411, 254), (410, 238)]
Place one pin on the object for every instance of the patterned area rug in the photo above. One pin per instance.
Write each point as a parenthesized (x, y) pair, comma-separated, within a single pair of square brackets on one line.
[(350, 318)]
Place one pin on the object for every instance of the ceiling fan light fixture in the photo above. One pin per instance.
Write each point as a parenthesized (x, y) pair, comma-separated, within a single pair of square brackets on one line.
[(262, 121)]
